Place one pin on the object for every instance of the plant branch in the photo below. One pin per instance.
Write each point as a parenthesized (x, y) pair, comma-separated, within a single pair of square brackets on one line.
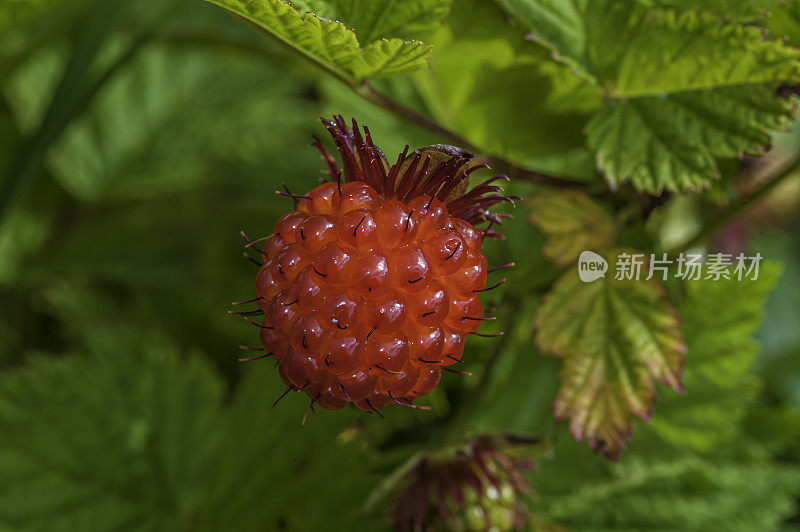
[(368, 92), (725, 216)]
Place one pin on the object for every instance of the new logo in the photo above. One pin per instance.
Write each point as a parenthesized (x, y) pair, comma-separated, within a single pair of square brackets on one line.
[(591, 266)]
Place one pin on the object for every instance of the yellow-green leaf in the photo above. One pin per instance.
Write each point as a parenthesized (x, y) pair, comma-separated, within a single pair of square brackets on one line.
[(617, 338), (572, 222)]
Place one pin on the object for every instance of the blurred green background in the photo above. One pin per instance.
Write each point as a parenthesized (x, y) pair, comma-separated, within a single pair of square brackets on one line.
[(138, 138)]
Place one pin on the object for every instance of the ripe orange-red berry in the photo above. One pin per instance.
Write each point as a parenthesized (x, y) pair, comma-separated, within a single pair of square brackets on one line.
[(370, 287)]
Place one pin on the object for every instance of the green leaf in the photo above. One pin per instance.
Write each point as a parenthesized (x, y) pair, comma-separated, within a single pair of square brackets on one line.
[(731, 492), (272, 470), (505, 94), (631, 50), (694, 466), (161, 121), (578, 31), (685, 86), (32, 87), (136, 438), (115, 442), (572, 222), (671, 142), (617, 338), (381, 19), (784, 22), (688, 52), (720, 319), (330, 44)]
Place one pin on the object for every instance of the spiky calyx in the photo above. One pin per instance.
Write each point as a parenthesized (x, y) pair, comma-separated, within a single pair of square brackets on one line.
[(477, 487), (370, 286), (439, 171)]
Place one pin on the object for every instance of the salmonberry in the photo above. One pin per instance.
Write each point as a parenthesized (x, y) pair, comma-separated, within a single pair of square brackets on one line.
[(479, 486), (370, 286)]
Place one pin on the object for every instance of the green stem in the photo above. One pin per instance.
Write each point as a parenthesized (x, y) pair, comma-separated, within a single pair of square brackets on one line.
[(727, 215), (76, 89), (30, 162)]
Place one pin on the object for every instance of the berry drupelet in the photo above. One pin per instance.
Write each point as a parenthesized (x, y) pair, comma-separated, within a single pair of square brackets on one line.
[(370, 287)]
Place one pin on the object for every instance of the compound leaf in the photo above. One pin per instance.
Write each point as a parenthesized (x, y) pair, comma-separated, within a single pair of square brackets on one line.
[(693, 466), (677, 52), (687, 492), (138, 439), (300, 475), (633, 50), (174, 104)]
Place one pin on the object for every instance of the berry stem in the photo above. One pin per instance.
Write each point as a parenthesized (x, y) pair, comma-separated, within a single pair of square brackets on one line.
[(368, 92)]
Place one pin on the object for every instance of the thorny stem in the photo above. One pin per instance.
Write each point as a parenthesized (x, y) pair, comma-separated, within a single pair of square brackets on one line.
[(739, 206)]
